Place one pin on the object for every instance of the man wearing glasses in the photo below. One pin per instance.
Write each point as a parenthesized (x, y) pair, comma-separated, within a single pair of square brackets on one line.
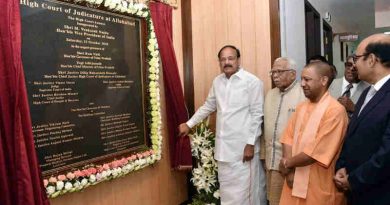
[(279, 105), (348, 89), (363, 168)]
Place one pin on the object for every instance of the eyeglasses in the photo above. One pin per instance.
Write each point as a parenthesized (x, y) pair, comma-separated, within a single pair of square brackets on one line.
[(348, 64), (355, 57), (279, 72)]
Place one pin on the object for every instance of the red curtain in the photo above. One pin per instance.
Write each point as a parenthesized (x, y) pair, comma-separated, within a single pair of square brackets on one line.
[(20, 176), (180, 149)]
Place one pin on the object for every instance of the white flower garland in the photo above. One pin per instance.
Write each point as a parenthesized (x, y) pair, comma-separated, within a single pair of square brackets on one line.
[(92, 175), (204, 177)]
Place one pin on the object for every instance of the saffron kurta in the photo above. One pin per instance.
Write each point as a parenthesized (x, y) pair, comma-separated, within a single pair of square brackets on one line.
[(324, 149)]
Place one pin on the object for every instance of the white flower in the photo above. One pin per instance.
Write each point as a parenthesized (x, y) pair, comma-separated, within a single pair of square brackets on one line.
[(216, 194), (118, 7), (112, 5), (76, 184), (153, 41), (84, 182), (107, 3), (155, 53), (50, 189), (138, 6), (68, 185), (123, 6), (151, 48), (103, 174), (92, 178), (149, 160), (59, 185), (145, 14)]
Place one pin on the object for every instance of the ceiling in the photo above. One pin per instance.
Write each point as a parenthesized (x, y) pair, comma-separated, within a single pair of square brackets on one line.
[(353, 15)]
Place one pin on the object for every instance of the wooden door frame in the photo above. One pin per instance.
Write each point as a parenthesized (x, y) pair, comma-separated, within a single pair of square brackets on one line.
[(317, 34), (328, 28), (274, 8)]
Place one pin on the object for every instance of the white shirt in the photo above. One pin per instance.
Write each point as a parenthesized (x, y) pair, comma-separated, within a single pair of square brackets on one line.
[(345, 84), (239, 105), (381, 82), (374, 88)]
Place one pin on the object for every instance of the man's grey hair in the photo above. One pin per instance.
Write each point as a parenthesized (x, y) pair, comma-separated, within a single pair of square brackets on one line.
[(292, 64)]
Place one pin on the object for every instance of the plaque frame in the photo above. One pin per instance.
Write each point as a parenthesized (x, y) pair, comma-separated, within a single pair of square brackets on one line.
[(69, 180)]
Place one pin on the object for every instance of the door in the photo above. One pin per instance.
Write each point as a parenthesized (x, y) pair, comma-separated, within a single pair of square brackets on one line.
[(313, 31), (328, 42)]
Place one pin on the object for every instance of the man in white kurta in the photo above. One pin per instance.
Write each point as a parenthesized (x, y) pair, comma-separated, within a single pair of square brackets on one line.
[(237, 96), (280, 104)]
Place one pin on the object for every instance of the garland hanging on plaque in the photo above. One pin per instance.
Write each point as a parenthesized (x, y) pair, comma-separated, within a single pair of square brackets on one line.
[(91, 174)]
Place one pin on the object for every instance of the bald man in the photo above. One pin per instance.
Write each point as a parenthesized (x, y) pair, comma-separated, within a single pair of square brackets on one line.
[(363, 169), (312, 141)]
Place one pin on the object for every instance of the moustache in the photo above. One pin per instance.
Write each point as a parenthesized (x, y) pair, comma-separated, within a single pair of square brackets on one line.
[(227, 65)]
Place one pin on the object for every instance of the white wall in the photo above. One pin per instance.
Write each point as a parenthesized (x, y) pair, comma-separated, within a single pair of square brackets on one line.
[(292, 29), (337, 56), (292, 23)]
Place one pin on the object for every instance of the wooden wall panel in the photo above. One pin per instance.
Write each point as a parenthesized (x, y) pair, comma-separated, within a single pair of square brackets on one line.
[(243, 23), (234, 22), (247, 30), (150, 186), (263, 42)]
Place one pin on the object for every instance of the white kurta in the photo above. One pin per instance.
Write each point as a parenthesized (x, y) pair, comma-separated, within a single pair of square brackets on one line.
[(239, 105), (245, 185)]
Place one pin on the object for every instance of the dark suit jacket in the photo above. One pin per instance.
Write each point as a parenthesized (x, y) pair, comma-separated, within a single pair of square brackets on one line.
[(366, 150)]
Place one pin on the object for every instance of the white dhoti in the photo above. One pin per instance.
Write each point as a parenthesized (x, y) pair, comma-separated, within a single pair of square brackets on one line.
[(242, 183)]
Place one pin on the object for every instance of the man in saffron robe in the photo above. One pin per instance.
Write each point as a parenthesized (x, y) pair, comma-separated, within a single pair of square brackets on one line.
[(311, 142)]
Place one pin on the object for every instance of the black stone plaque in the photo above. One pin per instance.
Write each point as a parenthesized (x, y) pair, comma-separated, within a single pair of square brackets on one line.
[(85, 77)]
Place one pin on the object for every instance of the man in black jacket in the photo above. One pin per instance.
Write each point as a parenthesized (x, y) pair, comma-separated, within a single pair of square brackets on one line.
[(363, 168)]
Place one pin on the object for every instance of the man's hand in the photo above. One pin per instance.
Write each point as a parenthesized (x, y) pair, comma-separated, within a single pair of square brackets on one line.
[(290, 179), (183, 129), (249, 151), (341, 180), (347, 103), (282, 167)]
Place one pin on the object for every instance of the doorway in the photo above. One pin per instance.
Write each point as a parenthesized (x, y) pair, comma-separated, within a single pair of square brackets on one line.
[(313, 31), (328, 41)]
